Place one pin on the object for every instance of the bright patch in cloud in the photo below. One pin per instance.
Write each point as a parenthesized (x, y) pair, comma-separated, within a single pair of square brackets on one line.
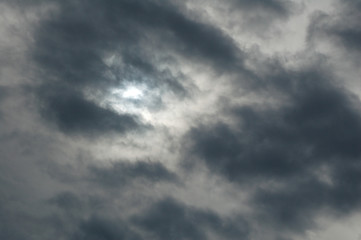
[(132, 92)]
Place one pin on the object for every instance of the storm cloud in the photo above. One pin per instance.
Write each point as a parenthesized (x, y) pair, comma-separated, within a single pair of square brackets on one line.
[(176, 119)]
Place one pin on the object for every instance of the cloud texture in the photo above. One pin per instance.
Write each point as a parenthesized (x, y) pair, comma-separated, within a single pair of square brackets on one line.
[(152, 119)]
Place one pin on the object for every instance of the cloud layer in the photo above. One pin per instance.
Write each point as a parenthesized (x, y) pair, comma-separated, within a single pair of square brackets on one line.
[(237, 130)]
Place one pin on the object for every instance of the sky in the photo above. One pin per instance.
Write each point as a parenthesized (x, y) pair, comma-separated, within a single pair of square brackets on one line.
[(180, 119)]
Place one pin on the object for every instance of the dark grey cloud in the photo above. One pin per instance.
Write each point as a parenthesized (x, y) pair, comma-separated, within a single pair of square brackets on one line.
[(163, 219), (341, 27), (66, 200), (170, 219), (294, 206), (349, 35), (318, 126), (3, 94), (269, 145), (122, 173), (350, 38), (82, 217), (74, 114), (72, 45), (97, 228)]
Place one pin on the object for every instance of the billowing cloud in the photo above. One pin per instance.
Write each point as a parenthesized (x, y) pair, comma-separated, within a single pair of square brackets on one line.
[(169, 219), (121, 173), (299, 149), (176, 119)]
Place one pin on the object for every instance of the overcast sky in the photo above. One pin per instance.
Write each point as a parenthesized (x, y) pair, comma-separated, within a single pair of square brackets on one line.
[(180, 119)]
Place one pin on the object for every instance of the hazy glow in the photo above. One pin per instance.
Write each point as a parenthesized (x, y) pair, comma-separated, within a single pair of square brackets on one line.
[(133, 99), (132, 92)]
